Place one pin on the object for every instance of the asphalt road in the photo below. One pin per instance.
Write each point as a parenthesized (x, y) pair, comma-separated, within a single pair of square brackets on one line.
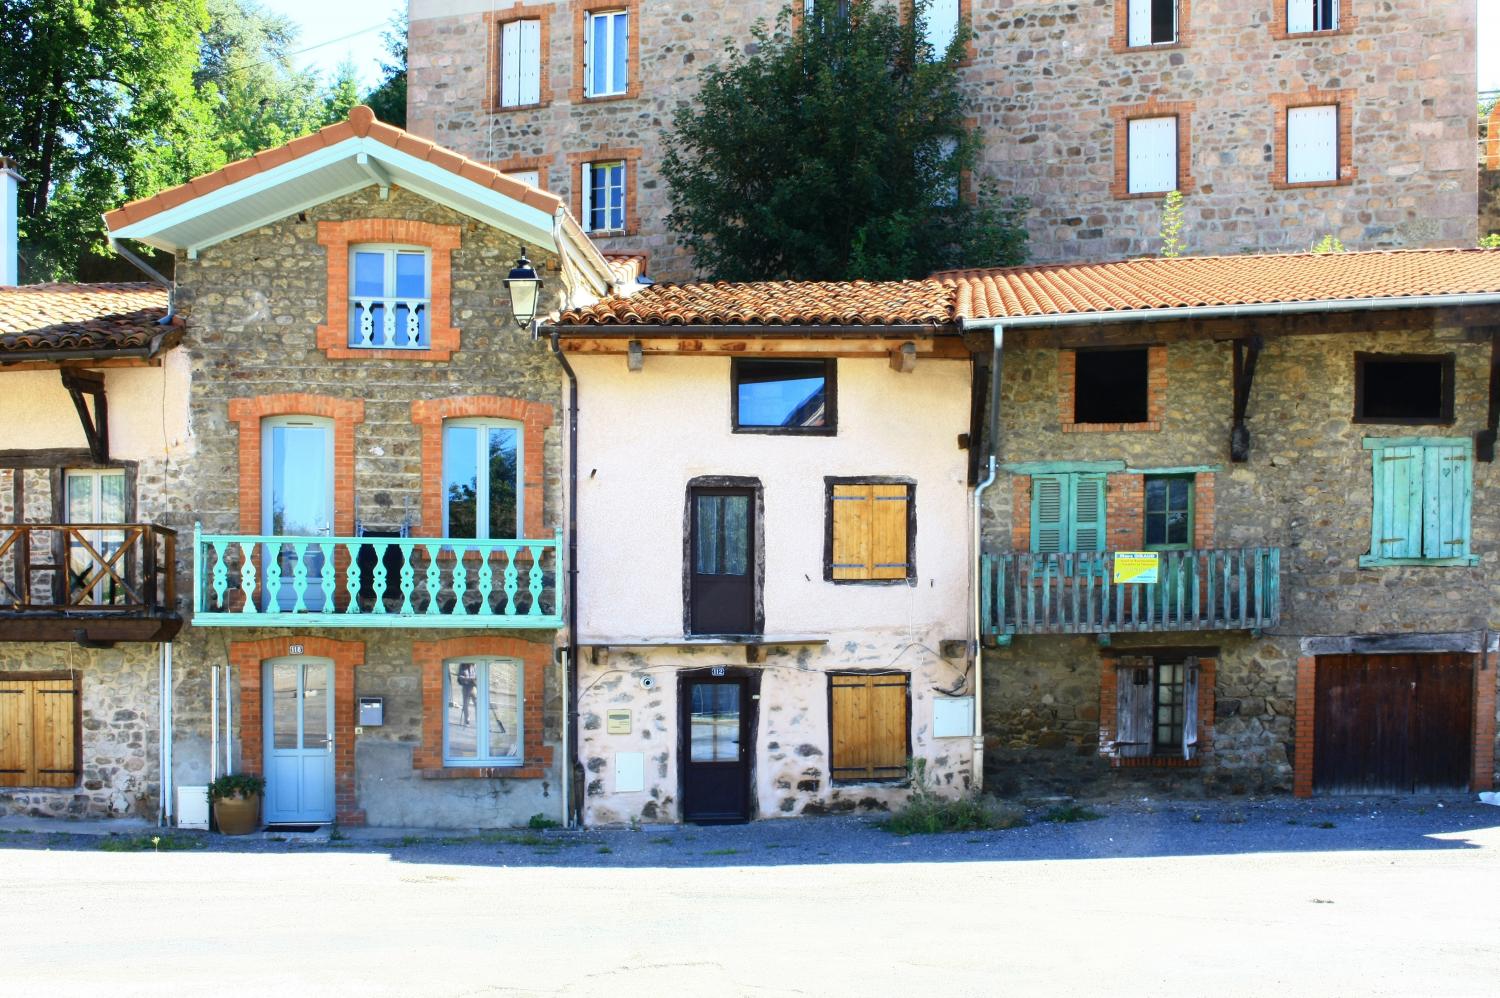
[(1366, 898)]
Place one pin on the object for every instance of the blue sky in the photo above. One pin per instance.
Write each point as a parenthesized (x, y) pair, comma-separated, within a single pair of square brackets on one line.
[(326, 23)]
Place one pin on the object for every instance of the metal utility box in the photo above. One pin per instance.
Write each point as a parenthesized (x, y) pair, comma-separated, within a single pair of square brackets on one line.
[(953, 717), (371, 712)]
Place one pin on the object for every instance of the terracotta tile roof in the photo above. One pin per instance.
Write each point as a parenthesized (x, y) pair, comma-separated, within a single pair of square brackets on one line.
[(1060, 289), (88, 318), (361, 123), (773, 303), (624, 268)]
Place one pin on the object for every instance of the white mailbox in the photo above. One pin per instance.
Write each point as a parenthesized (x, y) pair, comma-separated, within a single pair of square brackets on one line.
[(953, 717)]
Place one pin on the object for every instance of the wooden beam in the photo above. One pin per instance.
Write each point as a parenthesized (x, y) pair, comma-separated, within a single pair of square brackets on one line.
[(946, 349), (904, 358), (60, 365), (1246, 354), (95, 425), (1484, 440)]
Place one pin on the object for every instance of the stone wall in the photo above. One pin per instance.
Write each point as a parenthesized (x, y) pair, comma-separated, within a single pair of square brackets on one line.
[(1489, 202), (1041, 86), (1306, 489)]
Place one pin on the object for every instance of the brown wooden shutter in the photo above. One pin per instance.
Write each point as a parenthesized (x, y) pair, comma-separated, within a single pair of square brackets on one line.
[(888, 541), (1134, 701), (52, 733), (870, 532), (851, 531), (1190, 708), (15, 734), (869, 721)]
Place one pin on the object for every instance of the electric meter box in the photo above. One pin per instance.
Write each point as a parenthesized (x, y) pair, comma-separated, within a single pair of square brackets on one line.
[(371, 711)]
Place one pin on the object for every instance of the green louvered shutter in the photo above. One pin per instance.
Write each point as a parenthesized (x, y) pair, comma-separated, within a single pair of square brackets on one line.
[(1087, 519), (1446, 490), (1396, 521), (1050, 497)]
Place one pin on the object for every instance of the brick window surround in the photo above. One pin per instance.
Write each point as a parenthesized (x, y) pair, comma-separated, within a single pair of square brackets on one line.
[(1492, 140), (1347, 22), (1124, 511), (248, 657), (581, 10), (1312, 98), (345, 413), (494, 22), (442, 240), (429, 656), (515, 164), (1121, 117), (965, 16), (534, 418), (632, 159), (1108, 677), (1120, 40), (1156, 395), (1482, 751)]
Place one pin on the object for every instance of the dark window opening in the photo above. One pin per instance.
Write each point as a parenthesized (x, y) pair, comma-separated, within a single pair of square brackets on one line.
[(784, 396), (1169, 511), (1392, 388), (1110, 386), (1170, 710), (1325, 15), (1163, 21)]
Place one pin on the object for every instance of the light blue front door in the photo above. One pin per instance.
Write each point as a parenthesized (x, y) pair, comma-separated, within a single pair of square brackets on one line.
[(299, 740)]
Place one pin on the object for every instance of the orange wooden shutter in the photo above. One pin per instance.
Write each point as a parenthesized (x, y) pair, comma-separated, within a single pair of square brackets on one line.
[(851, 531), (869, 721), (52, 733), (15, 734), (888, 532)]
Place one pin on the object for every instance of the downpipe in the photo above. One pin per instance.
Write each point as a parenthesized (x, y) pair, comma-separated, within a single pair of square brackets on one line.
[(570, 740), (977, 647)]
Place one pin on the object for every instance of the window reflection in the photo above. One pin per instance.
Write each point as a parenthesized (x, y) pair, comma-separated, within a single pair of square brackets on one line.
[(788, 394)]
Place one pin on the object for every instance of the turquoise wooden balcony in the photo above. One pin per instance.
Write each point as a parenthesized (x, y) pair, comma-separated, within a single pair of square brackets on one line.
[(267, 581), (1237, 589)]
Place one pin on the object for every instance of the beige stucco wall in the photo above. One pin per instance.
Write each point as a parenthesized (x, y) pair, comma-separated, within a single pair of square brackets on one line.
[(148, 411), (643, 437)]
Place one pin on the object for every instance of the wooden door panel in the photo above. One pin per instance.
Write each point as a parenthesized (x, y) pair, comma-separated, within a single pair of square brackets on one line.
[(1442, 724)]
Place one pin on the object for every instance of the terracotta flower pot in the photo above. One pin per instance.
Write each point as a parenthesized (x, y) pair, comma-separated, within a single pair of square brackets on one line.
[(237, 815)]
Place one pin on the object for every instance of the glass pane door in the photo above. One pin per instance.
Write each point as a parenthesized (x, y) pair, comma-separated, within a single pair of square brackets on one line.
[(299, 741), (297, 501), (95, 496)]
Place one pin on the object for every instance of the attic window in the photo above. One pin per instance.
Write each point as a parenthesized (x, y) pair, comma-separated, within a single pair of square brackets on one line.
[(1403, 388), (1111, 386)]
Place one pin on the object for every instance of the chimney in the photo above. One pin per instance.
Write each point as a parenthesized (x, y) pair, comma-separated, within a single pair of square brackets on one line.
[(10, 182)]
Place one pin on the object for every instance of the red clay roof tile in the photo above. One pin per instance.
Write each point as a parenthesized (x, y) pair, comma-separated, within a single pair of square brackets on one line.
[(87, 318)]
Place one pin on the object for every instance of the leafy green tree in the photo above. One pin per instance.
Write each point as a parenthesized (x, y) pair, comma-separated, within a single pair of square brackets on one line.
[(388, 99), (1171, 224), (343, 95), (834, 149)]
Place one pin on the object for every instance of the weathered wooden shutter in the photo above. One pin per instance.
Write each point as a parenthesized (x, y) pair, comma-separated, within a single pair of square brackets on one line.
[(1087, 514), (1050, 503), (1190, 708), (1152, 147), (1134, 701), (888, 526), (588, 63), (530, 83), (52, 733), (1396, 520), (870, 531), (1446, 495), (1139, 15), (1299, 15), (869, 727), (510, 64), (1312, 144), (15, 734), (942, 25)]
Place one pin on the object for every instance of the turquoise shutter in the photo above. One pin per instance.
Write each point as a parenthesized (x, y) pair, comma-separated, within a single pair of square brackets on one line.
[(1447, 484), (1396, 521), (1087, 513), (1049, 510)]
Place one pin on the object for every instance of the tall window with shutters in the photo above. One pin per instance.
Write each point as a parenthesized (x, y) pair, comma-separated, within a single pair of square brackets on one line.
[(604, 196), (38, 731), (1067, 512), (1151, 22), (871, 532), (521, 63), (869, 726), (1422, 492), (1312, 144), (1152, 155), (606, 53), (1305, 16), (1156, 708)]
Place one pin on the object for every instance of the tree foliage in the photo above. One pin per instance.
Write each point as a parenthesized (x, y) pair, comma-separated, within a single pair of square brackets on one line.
[(388, 99), (834, 149)]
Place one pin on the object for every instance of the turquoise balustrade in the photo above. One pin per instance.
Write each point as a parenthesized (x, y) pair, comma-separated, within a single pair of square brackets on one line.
[(241, 580)]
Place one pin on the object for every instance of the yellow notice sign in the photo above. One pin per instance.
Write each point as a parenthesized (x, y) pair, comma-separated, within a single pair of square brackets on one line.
[(1140, 567)]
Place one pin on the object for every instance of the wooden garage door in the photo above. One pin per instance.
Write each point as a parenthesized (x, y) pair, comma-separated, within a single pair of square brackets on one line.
[(1393, 723)]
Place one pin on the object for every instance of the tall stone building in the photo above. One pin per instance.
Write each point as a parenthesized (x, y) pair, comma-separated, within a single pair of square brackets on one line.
[(1282, 120)]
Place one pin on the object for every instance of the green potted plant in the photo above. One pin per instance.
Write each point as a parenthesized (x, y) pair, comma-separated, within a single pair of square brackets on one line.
[(236, 800)]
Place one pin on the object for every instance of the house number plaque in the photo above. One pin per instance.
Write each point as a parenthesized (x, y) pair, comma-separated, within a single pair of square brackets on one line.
[(294, 649), (717, 670)]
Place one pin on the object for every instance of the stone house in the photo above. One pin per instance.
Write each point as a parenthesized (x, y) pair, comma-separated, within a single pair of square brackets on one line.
[(774, 549), (1281, 120), (1240, 536)]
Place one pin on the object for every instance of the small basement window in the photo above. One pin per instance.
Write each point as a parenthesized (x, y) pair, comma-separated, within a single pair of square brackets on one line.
[(1111, 386), (1403, 388)]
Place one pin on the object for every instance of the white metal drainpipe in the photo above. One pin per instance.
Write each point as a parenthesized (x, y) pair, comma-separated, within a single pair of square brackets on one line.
[(979, 490)]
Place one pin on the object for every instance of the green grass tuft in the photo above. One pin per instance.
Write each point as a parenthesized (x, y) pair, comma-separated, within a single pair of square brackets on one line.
[(1067, 814), (722, 852), (149, 843), (541, 822)]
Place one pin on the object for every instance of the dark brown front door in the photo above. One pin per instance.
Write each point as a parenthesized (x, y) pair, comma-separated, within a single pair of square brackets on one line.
[(1393, 723), (716, 745), (721, 587)]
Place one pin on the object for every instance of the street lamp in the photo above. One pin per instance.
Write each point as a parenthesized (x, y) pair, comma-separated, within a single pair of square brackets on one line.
[(523, 286)]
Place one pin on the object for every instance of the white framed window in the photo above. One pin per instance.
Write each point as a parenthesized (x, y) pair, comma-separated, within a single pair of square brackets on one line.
[(1151, 145), (1151, 22), (606, 53), (482, 485), (1311, 15), (953, 190), (389, 297), (604, 196), (95, 496), (1312, 144), (482, 701), (521, 63), (941, 25), (532, 178)]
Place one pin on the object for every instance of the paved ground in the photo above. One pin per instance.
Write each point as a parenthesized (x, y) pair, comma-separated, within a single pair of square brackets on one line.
[(1366, 897)]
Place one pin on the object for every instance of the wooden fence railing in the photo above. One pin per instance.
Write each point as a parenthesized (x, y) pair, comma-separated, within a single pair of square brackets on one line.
[(83, 568)]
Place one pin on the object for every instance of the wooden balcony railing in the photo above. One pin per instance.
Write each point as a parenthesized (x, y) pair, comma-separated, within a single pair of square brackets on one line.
[(1223, 590), (87, 581), (264, 581)]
